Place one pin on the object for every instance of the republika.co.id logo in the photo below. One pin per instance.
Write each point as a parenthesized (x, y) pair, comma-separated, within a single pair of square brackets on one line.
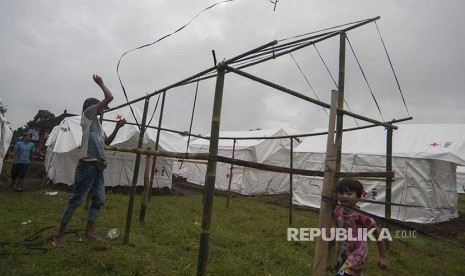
[(343, 234)]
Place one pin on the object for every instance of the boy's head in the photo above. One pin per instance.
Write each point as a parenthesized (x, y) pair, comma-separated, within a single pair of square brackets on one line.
[(349, 185), (89, 102), (27, 137)]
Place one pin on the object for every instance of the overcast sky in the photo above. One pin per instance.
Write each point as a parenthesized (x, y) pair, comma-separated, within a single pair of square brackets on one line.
[(49, 50)]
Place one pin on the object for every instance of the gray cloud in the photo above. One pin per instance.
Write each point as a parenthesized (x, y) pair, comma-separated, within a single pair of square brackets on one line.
[(50, 49)]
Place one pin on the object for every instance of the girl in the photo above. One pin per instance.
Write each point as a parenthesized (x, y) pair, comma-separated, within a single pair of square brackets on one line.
[(352, 254)]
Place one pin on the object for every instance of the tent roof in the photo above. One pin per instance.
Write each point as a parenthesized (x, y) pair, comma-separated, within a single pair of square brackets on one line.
[(431, 141)]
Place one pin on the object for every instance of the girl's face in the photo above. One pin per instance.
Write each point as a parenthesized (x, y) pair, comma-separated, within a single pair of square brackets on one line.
[(349, 195)]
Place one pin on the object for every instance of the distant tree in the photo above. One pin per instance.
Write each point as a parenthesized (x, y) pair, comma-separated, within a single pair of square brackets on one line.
[(42, 115), (3, 108)]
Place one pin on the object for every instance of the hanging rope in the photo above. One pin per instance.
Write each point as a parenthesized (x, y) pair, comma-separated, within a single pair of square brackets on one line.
[(308, 82), (153, 43), (334, 81), (153, 114), (365, 77), (392, 68), (192, 120), (326, 66)]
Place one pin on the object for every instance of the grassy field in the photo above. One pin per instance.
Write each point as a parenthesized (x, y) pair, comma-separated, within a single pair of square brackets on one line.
[(249, 238)]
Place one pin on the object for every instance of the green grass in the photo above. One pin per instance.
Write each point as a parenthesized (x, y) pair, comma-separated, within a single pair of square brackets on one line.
[(249, 238)]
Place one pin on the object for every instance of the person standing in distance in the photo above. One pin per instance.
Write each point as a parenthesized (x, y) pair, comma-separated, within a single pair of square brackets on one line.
[(88, 177), (23, 153)]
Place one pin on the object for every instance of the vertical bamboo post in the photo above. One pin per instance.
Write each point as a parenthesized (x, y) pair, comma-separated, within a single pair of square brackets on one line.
[(339, 126), (136, 174), (211, 174), (231, 174), (157, 141), (325, 216), (340, 99), (291, 176), (145, 197), (387, 210)]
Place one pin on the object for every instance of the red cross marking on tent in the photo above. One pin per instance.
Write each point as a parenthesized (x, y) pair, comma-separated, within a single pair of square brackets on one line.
[(434, 144), (119, 117), (155, 170)]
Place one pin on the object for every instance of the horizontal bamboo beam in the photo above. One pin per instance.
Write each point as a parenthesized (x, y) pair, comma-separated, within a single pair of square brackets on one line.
[(179, 155), (266, 167), (279, 169), (243, 163), (306, 98), (365, 174)]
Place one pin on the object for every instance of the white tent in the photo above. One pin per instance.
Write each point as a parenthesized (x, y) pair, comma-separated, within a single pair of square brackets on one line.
[(64, 141), (424, 161), (5, 138), (461, 179), (246, 181)]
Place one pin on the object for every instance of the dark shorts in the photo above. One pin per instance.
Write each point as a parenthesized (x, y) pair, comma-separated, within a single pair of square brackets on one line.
[(19, 170)]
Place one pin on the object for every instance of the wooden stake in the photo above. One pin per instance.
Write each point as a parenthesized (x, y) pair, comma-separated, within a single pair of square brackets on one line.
[(325, 220)]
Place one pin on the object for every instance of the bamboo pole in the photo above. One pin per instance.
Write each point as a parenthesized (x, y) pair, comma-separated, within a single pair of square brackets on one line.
[(191, 78), (387, 210), (271, 137), (280, 50), (157, 143), (211, 174), (325, 217), (340, 100), (171, 154), (306, 98), (259, 166), (291, 166), (339, 129), (145, 197), (388, 179), (231, 174), (288, 170), (136, 174)]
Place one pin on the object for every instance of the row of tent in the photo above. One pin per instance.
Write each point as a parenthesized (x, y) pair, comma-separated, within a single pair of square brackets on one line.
[(425, 161), (64, 141)]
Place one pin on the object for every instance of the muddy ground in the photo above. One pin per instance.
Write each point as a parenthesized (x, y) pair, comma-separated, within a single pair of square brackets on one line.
[(35, 181)]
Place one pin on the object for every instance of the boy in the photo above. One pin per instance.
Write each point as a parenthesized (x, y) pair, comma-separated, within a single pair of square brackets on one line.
[(23, 153), (89, 171)]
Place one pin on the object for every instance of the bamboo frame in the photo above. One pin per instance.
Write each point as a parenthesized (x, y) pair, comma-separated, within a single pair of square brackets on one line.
[(268, 51)]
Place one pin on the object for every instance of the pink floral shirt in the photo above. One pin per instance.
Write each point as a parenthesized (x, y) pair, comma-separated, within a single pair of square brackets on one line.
[(352, 254)]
